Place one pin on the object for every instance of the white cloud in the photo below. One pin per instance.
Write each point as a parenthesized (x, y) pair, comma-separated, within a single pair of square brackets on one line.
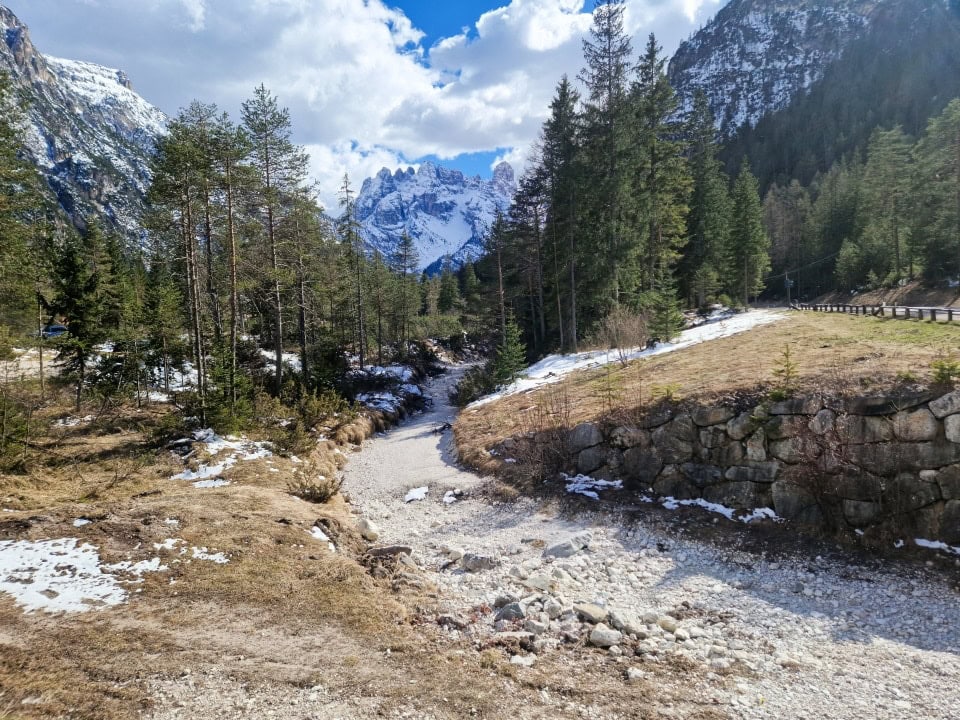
[(362, 87)]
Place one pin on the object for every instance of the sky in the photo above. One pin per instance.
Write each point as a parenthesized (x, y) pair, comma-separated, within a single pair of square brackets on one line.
[(369, 84)]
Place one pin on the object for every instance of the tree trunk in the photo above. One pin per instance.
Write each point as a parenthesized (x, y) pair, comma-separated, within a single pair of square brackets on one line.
[(234, 300)]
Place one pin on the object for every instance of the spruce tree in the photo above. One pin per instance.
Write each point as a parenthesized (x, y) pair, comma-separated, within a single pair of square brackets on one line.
[(749, 244), (938, 157), (510, 358)]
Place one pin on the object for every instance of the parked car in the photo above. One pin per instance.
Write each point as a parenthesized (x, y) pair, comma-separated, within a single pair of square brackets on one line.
[(52, 331)]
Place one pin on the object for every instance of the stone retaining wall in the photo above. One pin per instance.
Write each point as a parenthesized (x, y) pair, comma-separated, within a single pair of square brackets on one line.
[(868, 463)]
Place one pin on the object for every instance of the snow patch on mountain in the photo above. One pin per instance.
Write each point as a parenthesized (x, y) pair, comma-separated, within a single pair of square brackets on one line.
[(444, 212)]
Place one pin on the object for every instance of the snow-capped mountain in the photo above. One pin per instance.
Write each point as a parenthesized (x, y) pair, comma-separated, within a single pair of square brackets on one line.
[(444, 212), (755, 56), (88, 132)]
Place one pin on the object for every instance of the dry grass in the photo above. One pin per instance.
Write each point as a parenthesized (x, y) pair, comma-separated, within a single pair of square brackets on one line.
[(833, 351)]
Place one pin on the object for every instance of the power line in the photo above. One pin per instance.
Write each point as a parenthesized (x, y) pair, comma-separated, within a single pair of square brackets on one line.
[(804, 267)]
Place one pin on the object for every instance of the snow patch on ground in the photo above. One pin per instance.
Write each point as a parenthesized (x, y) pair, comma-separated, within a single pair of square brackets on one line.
[(588, 486), (936, 545), (416, 494), (671, 503), (64, 575), (211, 483), (554, 368), (320, 535), (207, 474)]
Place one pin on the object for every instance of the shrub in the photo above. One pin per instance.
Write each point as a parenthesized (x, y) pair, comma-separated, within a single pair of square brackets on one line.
[(621, 328), (316, 408), (317, 491), (785, 372), (946, 370)]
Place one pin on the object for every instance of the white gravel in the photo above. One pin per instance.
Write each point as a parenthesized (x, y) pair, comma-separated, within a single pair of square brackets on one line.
[(771, 638)]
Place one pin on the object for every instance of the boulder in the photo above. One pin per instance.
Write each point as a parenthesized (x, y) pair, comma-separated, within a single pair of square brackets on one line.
[(626, 622), (667, 623), (583, 436), (657, 417), (797, 406), (781, 427), (860, 513), (671, 483), (742, 425), (949, 481), (713, 437), (642, 465), (731, 453), (860, 429), (755, 472), (593, 614), (511, 612), (796, 503), (368, 530), (947, 405), (950, 523), (909, 492), (571, 546), (757, 447), (626, 437), (952, 428), (856, 486), (915, 425), (891, 458), (706, 416), (790, 450), (886, 404), (591, 459), (823, 422), (701, 475), (477, 563), (741, 495), (604, 637)]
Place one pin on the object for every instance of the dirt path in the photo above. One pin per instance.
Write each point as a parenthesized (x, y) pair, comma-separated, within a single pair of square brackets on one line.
[(759, 636)]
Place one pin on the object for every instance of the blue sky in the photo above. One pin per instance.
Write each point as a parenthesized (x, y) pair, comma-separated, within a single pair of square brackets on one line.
[(369, 83)]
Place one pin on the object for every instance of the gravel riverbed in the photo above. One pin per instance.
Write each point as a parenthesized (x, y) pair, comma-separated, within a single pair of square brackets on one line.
[(762, 635)]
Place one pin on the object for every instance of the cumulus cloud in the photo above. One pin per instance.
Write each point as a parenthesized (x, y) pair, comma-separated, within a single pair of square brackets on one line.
[(363, 88)]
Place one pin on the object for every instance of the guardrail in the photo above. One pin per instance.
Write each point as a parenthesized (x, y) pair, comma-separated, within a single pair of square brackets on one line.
[(902, 312)]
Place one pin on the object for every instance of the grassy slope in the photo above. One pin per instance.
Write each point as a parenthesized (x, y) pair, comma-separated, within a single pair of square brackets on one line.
[(842, 352)]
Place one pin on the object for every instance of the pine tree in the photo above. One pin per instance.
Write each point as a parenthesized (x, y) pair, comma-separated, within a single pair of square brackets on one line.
[(510, 357), (350, 234), (404, 264), (885, 203), (749, 244), (666, 320), (282, 169), (938, 157)]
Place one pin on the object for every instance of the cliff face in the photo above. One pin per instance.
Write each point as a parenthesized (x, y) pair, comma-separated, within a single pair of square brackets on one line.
[(88, 132)]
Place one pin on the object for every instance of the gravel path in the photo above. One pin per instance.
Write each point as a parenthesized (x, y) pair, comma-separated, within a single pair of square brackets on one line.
[(766, 637)]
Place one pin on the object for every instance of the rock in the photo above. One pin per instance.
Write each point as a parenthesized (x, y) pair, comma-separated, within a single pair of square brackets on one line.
[(891, 458), (915, 426), (523, 660), (706, 416), (641, 465), (713, 437), (797, 406), (860, 513), (781, 427), (742, 426), (856, 486), (859, 429), (667, 623), (455, 554), (949, 481), (388, 550), (701, 475), (625, 437), (368, 530), (947, 405), (504, 600), (909, 492), (681, 635), (477, 563), (757, 447), (952, 428), (534, 626), (511, 612), (553, 608), (583, 436), (571, 546), (886, 404), (743, 495), (822, 423), (671, 483), (591, 459), (950, 523), (593, 614), (635, 674), (626, 622), (656, 417), (795, 503), (790, 450), (603, 637), (539, 582), (757, 472), (452, 621)]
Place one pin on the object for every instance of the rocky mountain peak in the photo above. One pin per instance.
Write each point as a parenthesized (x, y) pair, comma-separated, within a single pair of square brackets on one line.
[(445, 212)]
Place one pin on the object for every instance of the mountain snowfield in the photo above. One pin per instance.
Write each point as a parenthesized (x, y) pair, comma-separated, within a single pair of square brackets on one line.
[(442, 210)]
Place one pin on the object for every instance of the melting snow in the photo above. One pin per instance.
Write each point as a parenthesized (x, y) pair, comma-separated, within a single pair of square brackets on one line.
[(63, 575), (320, 535), (415, 494), (671, 503), (80, 522), (211, 483), (554, 367), (588, 486), (242, 450), (449, 497), (937, 545)]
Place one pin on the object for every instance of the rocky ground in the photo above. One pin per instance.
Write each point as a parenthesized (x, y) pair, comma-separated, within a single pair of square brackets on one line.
[(756, 634)]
